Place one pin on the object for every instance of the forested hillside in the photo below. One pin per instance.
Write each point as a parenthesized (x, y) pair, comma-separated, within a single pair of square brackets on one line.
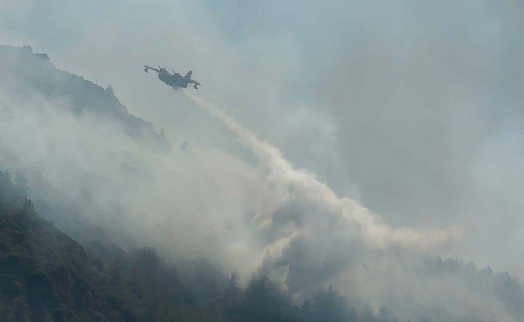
[(47, 276)]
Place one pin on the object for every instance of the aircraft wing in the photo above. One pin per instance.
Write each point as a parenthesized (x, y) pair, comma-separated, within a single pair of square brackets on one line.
[(146, 68)]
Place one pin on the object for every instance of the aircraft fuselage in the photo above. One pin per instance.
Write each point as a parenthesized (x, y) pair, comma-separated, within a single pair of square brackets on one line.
[(174, 80)]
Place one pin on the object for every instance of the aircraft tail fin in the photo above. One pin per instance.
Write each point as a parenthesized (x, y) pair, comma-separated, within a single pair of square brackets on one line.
[(188, 75)]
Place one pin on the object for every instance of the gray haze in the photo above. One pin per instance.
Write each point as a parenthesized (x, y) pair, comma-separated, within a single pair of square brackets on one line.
[(410, 109)]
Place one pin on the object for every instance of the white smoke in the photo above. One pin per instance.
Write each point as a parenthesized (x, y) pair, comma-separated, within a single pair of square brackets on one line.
[(319, 239), (300, 182)]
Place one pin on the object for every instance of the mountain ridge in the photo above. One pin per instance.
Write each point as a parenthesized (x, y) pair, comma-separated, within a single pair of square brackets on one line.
[(22, 69)]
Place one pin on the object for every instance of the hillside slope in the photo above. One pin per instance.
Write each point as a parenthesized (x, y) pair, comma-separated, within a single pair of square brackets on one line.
[(47, 276), (22, 72)]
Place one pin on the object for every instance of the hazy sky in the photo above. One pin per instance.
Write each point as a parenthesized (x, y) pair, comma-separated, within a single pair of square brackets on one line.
[(413, 108)]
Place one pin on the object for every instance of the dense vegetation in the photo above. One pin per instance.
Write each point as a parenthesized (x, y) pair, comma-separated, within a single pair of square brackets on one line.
[(46, 276)]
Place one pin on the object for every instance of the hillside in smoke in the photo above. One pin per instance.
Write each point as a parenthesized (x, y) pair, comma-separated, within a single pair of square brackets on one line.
[(225, 239), (36, 100), (45, 275)]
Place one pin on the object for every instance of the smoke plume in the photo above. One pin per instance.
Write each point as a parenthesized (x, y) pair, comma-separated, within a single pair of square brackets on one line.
[(282, 175)]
